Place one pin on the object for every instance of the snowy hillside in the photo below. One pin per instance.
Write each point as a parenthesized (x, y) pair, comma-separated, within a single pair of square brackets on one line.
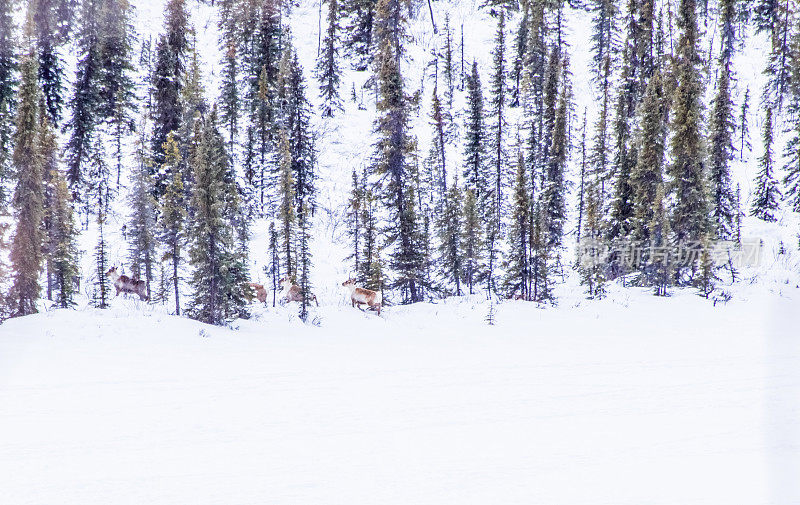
[(624, 399), (628, 401)]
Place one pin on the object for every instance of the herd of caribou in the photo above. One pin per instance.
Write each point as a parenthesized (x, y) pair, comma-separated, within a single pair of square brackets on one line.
[(290, 292)]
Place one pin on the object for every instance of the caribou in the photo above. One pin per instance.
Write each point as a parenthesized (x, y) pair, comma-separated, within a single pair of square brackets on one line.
[(127, 284), (361, 296), (291, 292)]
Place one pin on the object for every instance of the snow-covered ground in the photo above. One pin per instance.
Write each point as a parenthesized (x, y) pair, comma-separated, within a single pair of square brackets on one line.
[(632, 400)]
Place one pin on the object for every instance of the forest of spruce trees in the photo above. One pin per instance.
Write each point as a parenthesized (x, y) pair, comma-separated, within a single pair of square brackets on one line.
[(535, 178)]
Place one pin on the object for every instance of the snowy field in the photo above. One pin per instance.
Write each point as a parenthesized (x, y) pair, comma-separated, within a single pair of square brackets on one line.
[(632, 400)]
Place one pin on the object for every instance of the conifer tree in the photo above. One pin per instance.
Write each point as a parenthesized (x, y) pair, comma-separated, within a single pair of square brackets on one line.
[(360, 28), (371, 273), (115, 53), (471, 240), (660, 259), (541, 290), (516, 265), (436, 160), (274, 268), (448, 72), (304, 258), (85, 101), (767, 194), (8, 83), (390, 161), (229, 105), (744, 130), (791, 180), (59, 249), (475, 176), (520, 56), (721, 147), (591, 261), (63, 251), (355, 208), (647, 175), (101, 292), (286, 210), (582, 180), (600, 145), (52, 27), (497, 112), (141, 227), (328, 72), (604, 36), (688, 184), (173, 215), (449, 226), (220, 274), (778, 69), (168, 79), (26, 248), (554, 190)]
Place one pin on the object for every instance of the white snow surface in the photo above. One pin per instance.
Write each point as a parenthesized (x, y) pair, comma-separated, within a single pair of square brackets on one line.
[(632, 400)]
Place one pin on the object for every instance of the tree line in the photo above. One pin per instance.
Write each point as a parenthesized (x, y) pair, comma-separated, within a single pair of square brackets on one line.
[(483, 210)]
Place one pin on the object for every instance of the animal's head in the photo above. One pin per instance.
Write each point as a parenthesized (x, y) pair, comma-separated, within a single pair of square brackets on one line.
[(349, 282), (111, 271), (284, 280)]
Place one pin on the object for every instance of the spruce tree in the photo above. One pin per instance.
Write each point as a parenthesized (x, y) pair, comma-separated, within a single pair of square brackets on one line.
[(304, 257), (26, 248), (591, 262), (63, 251), (390, 162), (360, 30), (474, 157), (778, 69), (449, 225), (173, 215), (448, 72), (229, 105), (141, 226), (286, 209), (604, 36), (520, 56), (517, 262), (85, 100), (168, 80), (8, 84), (60, 249), (660, 266), (371, 272), (328, 72), (744, 129), (688, 183), (355, 207), (52, 27), (721, 147), (102, 291), (647, 175), (220, 274), (115, 54), (767, 194), (471, 240), (497, 142)]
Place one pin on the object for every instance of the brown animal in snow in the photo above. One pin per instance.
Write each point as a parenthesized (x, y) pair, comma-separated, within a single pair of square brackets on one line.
[(261, 293), (362, 296), (291, 292), (127, 284)]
